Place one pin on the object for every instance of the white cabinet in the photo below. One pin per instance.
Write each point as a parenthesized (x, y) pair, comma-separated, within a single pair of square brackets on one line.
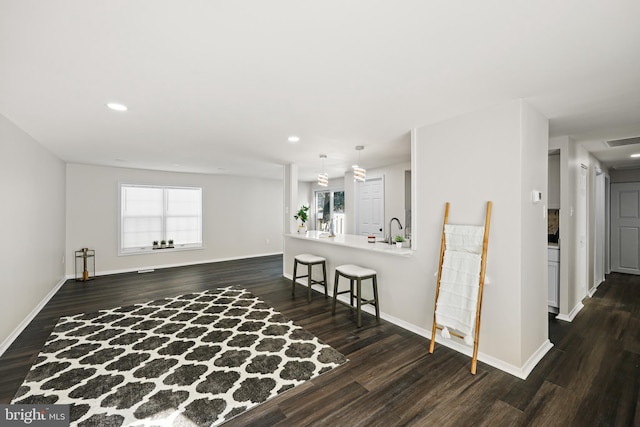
[(554, 278)]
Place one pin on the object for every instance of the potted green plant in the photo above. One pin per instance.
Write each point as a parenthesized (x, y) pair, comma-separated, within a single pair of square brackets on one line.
[(163, 244), (303, 217), (155, 244), (170, 243), (399, 240)]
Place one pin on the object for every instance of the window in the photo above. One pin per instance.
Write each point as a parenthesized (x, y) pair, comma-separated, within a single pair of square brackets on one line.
[(329, 207), (150, 213)]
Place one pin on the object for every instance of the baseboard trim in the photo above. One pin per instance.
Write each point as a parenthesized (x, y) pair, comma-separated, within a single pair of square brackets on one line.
[(594, 289), (535, 358), (18, 330), (569, 317), (182, 264), (21, 327), (519, 372)]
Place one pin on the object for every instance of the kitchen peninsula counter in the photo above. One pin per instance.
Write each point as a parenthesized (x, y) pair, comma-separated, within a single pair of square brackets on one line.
[(351, 241), (394, 266)]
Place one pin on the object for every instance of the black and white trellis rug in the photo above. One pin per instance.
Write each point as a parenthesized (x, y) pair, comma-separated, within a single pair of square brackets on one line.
[(197, 359)]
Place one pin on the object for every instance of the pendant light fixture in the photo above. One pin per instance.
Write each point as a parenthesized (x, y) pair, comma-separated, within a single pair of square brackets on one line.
[(323, 177), (359, 173)]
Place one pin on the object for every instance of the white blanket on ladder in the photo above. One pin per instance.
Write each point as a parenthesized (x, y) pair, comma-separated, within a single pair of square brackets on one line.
[(460, 280)]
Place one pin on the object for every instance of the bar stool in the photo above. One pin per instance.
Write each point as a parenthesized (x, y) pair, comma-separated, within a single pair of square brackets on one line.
[(357, 274), (309, 260)]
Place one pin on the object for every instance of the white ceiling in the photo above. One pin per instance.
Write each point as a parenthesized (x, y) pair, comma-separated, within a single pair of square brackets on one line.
[(217, 87)]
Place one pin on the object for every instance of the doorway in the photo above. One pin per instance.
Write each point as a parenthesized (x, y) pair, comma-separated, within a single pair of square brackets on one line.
[(625, 227)]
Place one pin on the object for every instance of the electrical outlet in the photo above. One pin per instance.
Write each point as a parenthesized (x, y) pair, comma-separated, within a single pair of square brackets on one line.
[(266, 241), (63, 259)]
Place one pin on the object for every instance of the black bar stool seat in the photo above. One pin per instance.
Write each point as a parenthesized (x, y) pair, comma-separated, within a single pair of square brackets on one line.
[(356, 274), (309, 260)]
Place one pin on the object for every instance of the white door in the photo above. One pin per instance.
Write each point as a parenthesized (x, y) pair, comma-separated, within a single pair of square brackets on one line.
[(625, 227), (370, 207)]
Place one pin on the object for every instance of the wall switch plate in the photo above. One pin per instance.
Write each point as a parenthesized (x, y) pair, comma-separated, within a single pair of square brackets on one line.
[(536, 196)]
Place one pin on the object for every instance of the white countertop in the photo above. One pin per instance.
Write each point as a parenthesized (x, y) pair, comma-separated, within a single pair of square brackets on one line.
[(352, 241)]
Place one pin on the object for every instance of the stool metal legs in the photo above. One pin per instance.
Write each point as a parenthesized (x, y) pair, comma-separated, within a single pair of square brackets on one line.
[(375, 297), (357, 295), (359, 309), (295, 275), (310, 281)]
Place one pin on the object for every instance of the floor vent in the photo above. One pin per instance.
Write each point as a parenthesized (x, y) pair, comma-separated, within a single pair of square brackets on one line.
[(623, 142)]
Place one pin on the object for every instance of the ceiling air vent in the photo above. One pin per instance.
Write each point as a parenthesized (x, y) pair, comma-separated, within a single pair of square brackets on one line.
[(623, 142)]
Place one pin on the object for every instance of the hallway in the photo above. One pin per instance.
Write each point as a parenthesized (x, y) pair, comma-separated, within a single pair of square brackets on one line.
[(594, 364)]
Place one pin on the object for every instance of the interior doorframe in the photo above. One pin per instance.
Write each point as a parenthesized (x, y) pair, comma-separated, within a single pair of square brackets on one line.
[(583, 229), (607, 224), (599, 238)]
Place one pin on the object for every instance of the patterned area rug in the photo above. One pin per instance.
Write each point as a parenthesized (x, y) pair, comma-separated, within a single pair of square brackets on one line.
[(197, 359)]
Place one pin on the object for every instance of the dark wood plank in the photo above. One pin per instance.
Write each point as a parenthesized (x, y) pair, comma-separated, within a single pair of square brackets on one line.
[(590, 377)]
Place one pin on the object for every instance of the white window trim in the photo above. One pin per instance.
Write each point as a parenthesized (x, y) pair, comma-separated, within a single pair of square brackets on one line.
[(149, 249), (332, 190)]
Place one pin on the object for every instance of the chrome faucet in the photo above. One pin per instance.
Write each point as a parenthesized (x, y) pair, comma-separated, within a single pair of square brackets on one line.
[(390, 233)]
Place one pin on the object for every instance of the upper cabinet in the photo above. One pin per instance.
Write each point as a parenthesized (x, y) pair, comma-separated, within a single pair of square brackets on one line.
[(554, 182)]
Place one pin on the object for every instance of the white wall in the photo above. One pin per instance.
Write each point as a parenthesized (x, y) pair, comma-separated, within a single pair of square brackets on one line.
[(305, 196), (242, 216), (498, 154), (33, 189), (534, 256), (290, 197)]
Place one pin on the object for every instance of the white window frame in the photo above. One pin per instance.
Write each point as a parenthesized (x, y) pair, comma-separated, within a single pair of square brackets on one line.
[(332, 190), (149, 249)]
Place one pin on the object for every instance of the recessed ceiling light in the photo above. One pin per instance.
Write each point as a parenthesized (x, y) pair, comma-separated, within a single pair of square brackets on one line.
[(117, 107), (294, 138), (635, 155)]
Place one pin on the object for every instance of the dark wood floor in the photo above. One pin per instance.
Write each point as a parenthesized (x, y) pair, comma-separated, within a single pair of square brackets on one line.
[(589, 378)]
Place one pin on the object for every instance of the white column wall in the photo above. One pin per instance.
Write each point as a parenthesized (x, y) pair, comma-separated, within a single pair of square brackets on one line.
[(496, 154), (291, 195), (468, 161), (534, 162)]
